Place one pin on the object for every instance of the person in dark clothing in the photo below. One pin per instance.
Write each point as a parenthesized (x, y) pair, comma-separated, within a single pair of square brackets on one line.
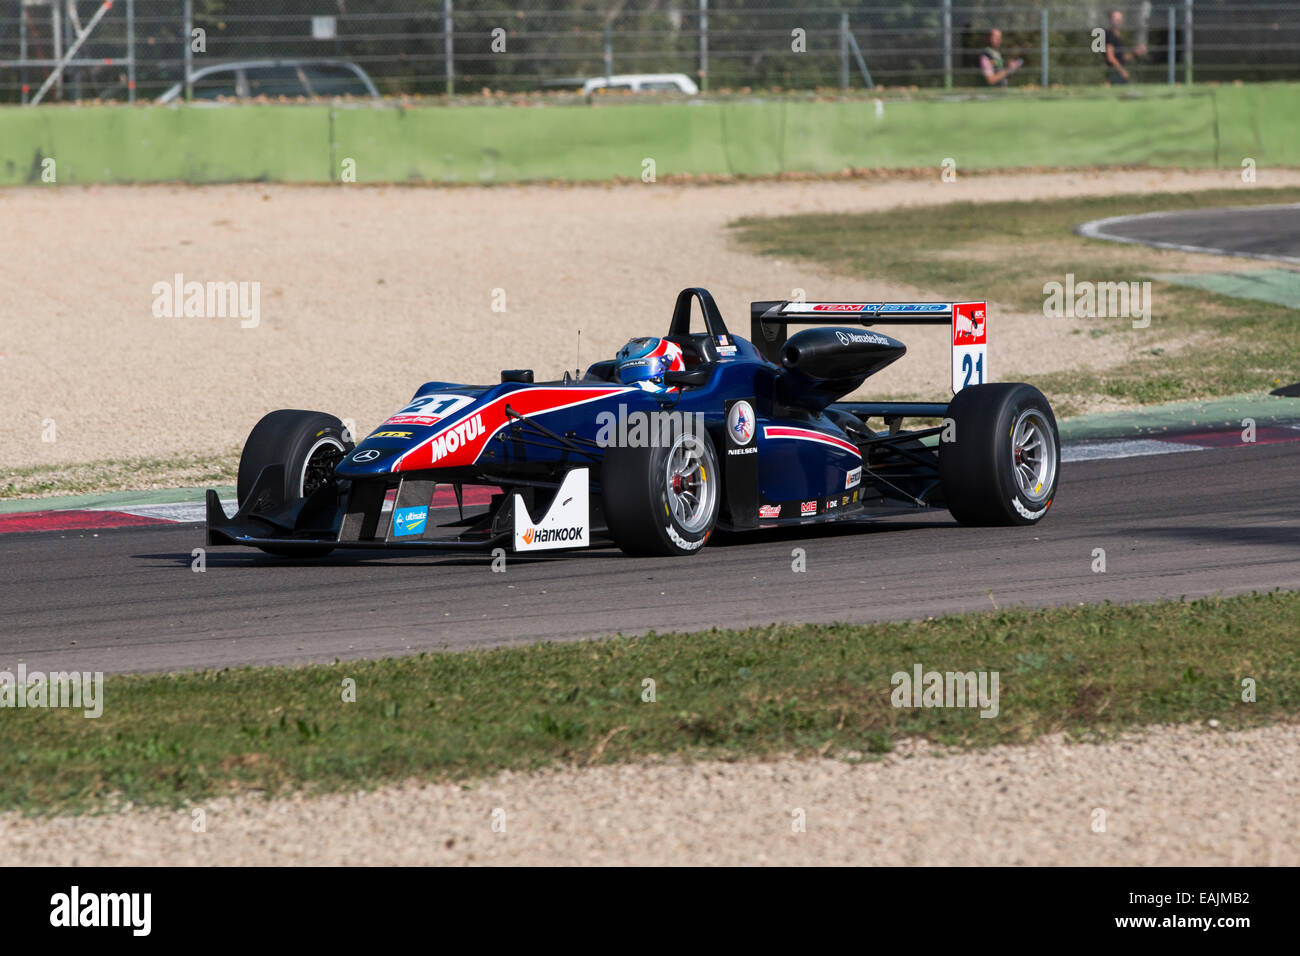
[(1116, 55), (991, 65)]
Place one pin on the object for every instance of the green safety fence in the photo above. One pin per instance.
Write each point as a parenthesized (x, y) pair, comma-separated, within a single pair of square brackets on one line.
[(1203, 127)]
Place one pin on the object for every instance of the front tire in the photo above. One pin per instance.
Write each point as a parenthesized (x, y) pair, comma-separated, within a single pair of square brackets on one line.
[(662, 500), (309, 445), (1001, 467)]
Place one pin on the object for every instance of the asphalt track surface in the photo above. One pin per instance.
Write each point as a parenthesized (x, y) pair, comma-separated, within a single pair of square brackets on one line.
[(1172, 525), (1256, 232)]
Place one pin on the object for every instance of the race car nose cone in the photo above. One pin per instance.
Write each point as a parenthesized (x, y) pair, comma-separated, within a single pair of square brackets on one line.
[(366, 460)]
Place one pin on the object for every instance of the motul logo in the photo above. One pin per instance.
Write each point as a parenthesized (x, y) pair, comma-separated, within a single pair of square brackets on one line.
[(453, 438)]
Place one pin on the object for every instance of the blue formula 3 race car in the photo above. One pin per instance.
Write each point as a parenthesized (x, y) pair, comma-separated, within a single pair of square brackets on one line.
[(744, 434)]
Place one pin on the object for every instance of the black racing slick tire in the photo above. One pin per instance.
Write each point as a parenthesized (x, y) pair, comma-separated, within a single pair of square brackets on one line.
[(663, 499), (309, 445), (1001, 456)]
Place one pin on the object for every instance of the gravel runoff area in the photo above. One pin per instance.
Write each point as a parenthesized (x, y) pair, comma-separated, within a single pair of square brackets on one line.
[(1169, 796), (366, 292)]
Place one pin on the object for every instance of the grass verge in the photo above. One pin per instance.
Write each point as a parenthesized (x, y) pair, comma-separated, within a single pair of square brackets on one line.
[(120, 474), (810, 690), (1006, 251)]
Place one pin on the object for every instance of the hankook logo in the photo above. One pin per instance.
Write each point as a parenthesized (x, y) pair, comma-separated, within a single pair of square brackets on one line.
[(545, 535)]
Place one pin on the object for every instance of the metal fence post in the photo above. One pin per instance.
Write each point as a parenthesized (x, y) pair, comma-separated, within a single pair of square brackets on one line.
[(947, 44), (22, 50), (1187, 42), (609, 55), (130, 51), (448, 52), (1042, 32), (70, 57), (844, 51), (56, 19), (704, 44), (189, 49), (1173, 43)]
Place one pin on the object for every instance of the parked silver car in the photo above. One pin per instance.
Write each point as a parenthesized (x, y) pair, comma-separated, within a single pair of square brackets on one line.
[(250, 79)]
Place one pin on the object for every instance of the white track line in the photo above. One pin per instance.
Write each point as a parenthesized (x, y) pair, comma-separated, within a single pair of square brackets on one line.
[(177, 511), (1096, 230), (1104, 450)]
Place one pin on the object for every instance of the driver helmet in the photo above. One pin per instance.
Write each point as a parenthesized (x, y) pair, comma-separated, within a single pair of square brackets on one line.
[(643, 362)]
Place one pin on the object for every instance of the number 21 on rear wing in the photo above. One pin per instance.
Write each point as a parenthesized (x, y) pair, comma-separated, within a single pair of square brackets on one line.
[(968, 322)]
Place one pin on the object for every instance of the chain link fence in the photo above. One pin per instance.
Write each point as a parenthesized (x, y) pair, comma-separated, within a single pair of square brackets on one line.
[(131, 49)]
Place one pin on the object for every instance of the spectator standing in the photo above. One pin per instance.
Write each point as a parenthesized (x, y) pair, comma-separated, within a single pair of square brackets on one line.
[(991, 65), (1116, 55)]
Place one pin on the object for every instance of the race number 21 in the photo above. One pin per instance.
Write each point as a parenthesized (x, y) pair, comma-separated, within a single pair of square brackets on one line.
[(969, 345)]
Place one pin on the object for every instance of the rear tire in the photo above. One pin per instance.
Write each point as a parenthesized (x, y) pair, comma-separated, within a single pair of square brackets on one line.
[(1003, 464), (309, 445), (662, 500)]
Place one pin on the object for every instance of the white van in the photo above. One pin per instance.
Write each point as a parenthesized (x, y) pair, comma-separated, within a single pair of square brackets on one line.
[(641, 83)]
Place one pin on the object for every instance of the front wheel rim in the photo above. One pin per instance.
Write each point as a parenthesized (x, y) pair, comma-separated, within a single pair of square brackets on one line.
[(691, 485), (318, 467), (1033, 455)]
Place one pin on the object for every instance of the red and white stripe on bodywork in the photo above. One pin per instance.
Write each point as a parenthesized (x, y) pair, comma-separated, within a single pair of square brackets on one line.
[(473, 430), (807, 434)]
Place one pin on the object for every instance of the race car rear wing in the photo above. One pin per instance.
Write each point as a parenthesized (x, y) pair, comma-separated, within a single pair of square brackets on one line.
[(769, 322)]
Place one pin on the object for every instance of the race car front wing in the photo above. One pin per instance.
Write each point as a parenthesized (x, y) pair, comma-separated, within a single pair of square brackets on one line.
[(374, 515)]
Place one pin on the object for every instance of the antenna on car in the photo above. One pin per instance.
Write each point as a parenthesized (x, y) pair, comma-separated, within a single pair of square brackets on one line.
[(577, 372)]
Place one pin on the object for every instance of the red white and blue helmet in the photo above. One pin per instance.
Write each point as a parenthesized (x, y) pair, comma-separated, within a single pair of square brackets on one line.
[(647, 360)]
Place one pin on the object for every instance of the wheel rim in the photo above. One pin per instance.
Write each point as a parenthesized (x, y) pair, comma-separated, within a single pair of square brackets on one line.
[(690, 483), (319, 465), (1033, 455)]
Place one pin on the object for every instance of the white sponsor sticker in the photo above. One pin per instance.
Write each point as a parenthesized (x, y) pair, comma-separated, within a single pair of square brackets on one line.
[(830, 308), (740, 423), (969, 345), (566, 524), (431, 408)]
